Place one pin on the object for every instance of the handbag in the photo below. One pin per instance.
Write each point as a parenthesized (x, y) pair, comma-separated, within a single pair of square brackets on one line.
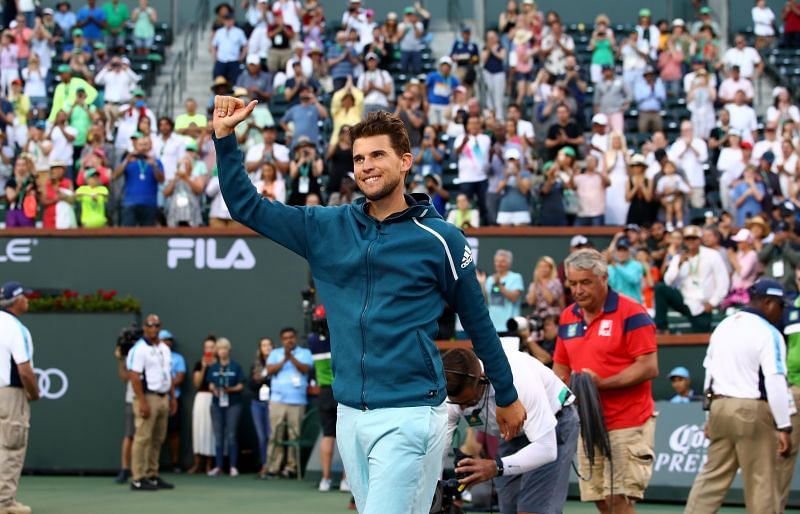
[(30, 207)]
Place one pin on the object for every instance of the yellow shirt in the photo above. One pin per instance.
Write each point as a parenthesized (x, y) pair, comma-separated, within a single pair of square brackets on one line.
[(341, 117), (184, 120)]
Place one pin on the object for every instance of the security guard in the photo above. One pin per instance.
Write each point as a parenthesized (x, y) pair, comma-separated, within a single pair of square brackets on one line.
[(18, 386), (150, 372), (746, 382)]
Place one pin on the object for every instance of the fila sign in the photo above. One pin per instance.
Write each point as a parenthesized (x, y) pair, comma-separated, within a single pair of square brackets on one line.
[(206, 254)]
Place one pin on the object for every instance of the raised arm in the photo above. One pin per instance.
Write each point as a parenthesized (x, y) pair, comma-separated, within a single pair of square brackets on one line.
[(283, 224)]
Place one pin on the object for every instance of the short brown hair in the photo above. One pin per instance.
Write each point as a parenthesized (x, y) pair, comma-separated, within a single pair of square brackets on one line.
[(462, 370), (380, 123)]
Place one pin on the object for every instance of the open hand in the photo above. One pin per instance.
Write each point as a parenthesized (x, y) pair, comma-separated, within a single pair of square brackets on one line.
[(229, 112), (478, 470)]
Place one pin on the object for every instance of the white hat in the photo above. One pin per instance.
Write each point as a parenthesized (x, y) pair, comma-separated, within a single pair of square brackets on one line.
[(371, 55), (744, 235), (778, 90), (600, 119), (578, 240), (678, 22), (638, 160), (253, 59), (445, 59), (511, 153), (298, 44)]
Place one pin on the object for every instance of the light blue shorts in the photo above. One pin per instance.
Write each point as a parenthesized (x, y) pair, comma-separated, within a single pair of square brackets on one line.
[(393, 457)]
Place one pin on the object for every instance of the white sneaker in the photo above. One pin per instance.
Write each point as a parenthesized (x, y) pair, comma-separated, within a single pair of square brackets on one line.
[(344, 485), (670, 227), (325, 485), (234, 472), (215, 472)]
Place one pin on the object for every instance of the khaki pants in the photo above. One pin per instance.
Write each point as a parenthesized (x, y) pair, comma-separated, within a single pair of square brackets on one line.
[(650, 121), (277, 59), (15, 415), (742, 435), (150, 434), (292, 415), (632, 457), (786, 464)]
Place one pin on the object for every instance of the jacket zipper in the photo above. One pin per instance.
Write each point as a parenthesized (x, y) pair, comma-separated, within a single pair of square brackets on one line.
[(363, 316)]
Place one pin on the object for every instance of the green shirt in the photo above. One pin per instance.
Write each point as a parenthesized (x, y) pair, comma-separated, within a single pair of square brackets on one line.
[(116, 16), (602, 52), (81, 121), (93, 205), (64, 96)]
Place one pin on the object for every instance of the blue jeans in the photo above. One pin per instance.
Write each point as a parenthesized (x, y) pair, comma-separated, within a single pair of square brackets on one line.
[(411, 62), (226, 425), (392, 465), (478, 190), (260, 413), (139, 216), (229, 70), (544, 489), (590, 221)]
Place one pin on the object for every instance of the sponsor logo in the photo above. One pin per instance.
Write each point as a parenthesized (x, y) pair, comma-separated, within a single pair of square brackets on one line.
[(18, 250), (688, 447), (53, 383), (205, 254), (467, 259), (605, 328)]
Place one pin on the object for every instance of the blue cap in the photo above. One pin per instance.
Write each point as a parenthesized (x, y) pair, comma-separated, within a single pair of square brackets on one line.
[(624, 242), (680, 371), (11, 290), (466, 28), (165, 334), (768, 156), (767, 287)]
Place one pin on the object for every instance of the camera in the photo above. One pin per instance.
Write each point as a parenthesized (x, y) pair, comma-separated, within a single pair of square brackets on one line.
[(533, 326), (128, 337), (448, 491)]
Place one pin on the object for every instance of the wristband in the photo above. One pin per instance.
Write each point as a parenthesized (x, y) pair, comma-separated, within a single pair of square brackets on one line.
[(500, 467)]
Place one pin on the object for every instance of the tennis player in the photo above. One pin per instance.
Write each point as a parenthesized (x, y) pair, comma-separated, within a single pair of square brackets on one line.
[(384, 268)]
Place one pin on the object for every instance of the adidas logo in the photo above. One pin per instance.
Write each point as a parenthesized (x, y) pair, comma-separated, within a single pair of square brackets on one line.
[(467, 259)]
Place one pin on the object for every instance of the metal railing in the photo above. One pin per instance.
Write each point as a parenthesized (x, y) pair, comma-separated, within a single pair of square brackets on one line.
[(183, 60)]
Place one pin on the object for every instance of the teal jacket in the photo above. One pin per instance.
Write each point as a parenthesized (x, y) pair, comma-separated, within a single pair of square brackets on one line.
[(384, 286)]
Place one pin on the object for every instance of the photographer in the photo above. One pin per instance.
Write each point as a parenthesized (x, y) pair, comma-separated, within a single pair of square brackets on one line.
[(142, 173), (533, 468), (304, 170), (118, 80)]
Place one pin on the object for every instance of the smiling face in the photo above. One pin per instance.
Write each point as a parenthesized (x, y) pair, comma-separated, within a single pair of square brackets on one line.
[(378, 168)]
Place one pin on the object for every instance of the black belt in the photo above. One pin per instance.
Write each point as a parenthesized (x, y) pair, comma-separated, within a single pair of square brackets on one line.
[(157, 394)]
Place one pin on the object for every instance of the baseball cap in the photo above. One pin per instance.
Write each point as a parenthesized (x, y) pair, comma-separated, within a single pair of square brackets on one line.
[(746, 145), (77, 32), (607, 67), (139, 92), (445, 60), (633, 226), (705, 10), (649, 70), (511, 153), (409, 10), (253, 59), (372, 55), (11, 290), (767, 287), (644, 12), (229, 16), (624, 243), (568, 150), (638, 160), (546, 166), (600, 119), (239, 91), (466, 28), (47, 11), (191, 146), (768, 156), (137, 135), (678, 22), (743, 236), (165, 334), (692, 231), (90, 172), (64, 68), (578, 240), (56, 163), (679, 371)]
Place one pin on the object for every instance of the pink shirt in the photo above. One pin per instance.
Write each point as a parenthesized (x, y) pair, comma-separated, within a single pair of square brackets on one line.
[(670, 65), (22, 38), (591, 194), (747, 276)]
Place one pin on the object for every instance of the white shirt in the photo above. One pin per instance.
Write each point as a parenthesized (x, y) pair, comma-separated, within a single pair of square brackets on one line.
[(760, 148), (474, 158), (743, 118), (691, 162), (379, 78), (118, 84), (289, 9), (763, 20), (652, 40), (702, 278), (556, 59), (688, 80), (35, 85), (739, 347), (229, 43), (306, 64), (169, 152), (127, 125), (256, 153), (746, 59), (632, 59), (62, 147), (259, 43), (773, 113), (154, 365), (730, 165), (218, 209), (540, 392), (525, 129), (15, 343), (729, 87)]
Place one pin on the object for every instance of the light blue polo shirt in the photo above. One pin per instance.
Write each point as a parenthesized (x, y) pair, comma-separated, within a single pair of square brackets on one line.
[(289, 385), (501, 309), (178, 366)]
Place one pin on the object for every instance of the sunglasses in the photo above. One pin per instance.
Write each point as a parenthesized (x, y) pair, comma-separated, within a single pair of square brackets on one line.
[(152, 324)]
